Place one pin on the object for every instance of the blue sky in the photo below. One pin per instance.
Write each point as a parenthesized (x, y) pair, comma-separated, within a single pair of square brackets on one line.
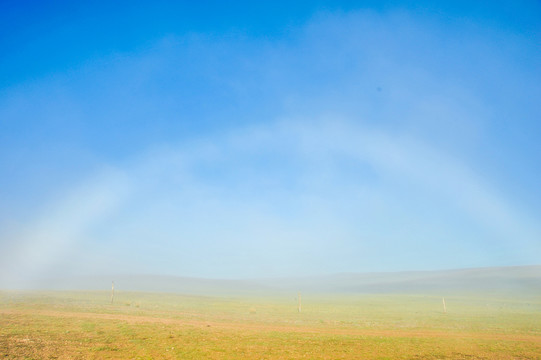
[(268, 140)]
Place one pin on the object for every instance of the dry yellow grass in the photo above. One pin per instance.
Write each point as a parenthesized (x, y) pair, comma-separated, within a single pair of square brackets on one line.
[(158, 326)]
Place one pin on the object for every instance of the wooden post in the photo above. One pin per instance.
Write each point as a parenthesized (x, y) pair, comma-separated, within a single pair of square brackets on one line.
[(112, 292), (444, 308), (299, 297)]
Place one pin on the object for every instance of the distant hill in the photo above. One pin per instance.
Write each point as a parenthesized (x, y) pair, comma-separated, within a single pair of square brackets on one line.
[(501, 280), (494, 279)]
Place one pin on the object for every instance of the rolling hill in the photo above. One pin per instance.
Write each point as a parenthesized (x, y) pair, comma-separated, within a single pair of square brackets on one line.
[(500, 280)]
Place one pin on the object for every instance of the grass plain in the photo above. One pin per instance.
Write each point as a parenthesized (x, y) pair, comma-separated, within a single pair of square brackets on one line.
[(85, 325)]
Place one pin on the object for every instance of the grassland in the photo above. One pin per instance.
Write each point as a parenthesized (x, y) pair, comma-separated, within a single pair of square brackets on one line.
[(85, 325)]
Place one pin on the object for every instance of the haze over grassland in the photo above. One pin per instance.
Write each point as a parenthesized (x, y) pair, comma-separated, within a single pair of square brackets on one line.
[(520, 282), (350, 140)]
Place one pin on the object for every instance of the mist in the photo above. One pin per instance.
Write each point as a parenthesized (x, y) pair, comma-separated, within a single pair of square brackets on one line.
[(357, 141)]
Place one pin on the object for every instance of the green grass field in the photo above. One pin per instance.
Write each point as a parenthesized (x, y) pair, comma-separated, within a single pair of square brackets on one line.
[(85, 325)]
